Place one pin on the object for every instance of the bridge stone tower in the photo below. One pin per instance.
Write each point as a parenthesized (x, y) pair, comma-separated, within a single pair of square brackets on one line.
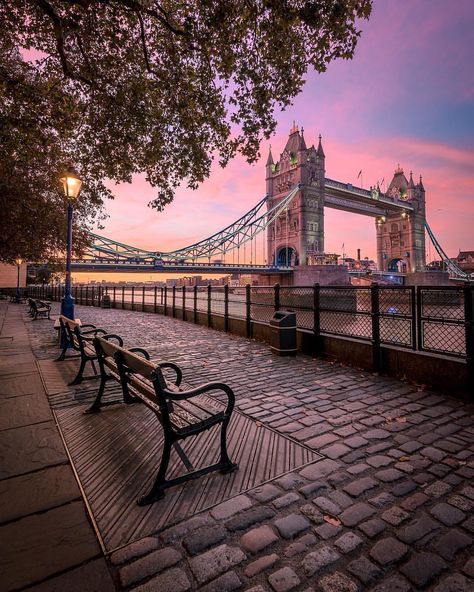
[(298, 234), (401, 236)]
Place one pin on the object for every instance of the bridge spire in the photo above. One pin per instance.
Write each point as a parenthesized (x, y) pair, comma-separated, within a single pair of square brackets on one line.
[(420, 184), (411, 184), (270, 156), (320, 151)]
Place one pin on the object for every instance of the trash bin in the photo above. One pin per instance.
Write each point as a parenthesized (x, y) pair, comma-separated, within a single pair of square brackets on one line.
[(105, 302), (283, 333)]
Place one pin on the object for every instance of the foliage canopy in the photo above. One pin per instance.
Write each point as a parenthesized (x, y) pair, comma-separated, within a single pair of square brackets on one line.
[(121, 87)]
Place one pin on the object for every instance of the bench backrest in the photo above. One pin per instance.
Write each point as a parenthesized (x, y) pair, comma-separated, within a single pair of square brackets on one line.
[(73, 331), (143, 376)]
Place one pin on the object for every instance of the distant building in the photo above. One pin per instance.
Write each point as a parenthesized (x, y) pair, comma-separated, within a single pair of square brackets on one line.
[(465, 260)]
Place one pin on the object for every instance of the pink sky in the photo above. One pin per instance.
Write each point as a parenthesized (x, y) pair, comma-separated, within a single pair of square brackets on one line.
[(407, 97)]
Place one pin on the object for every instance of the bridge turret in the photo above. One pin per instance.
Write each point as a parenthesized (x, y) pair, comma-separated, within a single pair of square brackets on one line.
[(269, 170), (401, 235), (298, 234)]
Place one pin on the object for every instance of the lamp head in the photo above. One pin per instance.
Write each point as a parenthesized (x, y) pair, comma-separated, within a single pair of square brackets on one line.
[(18, 261), (71, 183)]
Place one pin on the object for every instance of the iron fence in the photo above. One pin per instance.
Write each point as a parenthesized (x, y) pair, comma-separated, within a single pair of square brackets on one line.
[(430, 319)]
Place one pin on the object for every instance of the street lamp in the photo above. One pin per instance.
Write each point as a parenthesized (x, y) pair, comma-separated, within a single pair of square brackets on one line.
[(18, 262), (71, 183)]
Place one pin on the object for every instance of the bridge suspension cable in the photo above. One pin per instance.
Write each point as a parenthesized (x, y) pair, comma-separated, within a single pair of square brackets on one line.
[(232, 237), (452, 267)]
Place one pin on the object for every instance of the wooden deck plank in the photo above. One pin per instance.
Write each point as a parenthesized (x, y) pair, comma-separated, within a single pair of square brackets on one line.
[(116, 454)]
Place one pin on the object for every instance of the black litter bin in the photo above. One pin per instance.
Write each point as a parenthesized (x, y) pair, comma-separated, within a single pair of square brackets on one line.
[(283, 333), (105, 302)]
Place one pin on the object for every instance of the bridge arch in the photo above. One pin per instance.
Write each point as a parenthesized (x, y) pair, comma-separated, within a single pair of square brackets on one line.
[(397, 265), (286, 256)]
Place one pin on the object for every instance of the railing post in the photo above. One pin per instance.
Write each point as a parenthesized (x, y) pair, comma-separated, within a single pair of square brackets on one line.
[(87, 295), (419, 323), (414, 332), (173, 307), (133, 297), (226, 308), (276, 289), (123, 296), (114, 293), (375, 312), (248, 319), (165, 299), (195, 303), (317, 317), (209, 305), (143, 299), (154, 300), (183, 297), (469, 328)]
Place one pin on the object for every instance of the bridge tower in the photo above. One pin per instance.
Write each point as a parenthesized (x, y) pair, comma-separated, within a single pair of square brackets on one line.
[(401, 236), (298, 234)]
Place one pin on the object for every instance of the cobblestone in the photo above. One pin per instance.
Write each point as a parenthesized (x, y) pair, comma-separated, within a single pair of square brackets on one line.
[(147, 566), (203, 538), (258, 538), (356, 513), (291, 525), (360, 486), (417, 529), (348, 542), (231, 507), (286, 500), (453, 583), (451, 543), (172, 580), (261, 564), (211, 564), (337, 582), (364, 570), (250, 517), (447, 514), (284, 579), (423, 568), (317, 560), (388, 551), (225, 583)]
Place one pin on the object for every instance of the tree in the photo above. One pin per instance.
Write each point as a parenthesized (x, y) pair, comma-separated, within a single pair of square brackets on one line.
[(121, 87)]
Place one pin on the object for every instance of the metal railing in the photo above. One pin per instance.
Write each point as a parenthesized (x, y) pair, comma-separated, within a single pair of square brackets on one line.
[(425, 318)]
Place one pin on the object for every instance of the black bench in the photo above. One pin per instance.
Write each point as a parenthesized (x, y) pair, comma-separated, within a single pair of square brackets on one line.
[(38, 308), (79, 338), (182, 413)]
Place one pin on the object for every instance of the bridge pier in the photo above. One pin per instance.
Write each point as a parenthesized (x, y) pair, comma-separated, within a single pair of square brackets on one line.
[(307, 275)]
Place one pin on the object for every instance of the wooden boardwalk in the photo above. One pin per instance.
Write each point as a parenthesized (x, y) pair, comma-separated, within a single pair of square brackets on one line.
[(116, 453)]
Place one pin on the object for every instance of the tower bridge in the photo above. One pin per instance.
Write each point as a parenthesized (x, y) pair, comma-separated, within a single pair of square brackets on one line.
[(289, 223)]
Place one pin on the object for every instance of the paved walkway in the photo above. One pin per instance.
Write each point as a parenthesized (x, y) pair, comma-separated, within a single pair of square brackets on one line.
[(389, 508)]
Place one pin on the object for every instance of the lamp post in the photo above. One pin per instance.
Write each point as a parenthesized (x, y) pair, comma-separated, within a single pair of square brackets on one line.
[(18, 262), (72, 184)]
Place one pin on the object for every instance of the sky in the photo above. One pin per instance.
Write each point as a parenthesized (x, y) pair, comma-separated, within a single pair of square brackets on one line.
[(406, 97)]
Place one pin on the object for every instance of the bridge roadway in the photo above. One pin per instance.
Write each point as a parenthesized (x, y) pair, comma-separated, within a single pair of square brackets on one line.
[(171, 267)]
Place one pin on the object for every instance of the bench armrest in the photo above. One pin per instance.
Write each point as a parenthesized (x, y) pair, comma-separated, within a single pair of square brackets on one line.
[(140, 350), (176, 368), (210, 386), (89, 326), (93, 331), (112, 336)]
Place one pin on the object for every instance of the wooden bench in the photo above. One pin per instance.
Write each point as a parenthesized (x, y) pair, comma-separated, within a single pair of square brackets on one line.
[(182, 413), (38, 308), (79, 338)]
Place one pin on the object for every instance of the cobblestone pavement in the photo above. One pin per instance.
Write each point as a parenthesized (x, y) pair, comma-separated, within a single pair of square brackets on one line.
[(389, 508)]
